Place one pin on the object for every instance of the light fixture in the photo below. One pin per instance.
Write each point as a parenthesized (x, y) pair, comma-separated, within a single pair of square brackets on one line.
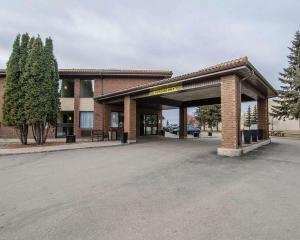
[(66, 87)]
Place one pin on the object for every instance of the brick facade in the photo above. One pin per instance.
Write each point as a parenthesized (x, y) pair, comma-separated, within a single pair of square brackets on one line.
[(130, 118), (263, 117), (231, 111), (77, 131), (102, 112)]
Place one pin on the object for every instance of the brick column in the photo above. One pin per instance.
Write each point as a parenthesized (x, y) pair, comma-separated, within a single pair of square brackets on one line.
[(263, 117), (77, 107), (106, 118), (160, 121), (231, 111), (130, 118), (98, 107), (182, 122)]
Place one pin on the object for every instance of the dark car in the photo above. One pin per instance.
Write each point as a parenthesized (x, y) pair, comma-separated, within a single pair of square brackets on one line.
[(191, 129)]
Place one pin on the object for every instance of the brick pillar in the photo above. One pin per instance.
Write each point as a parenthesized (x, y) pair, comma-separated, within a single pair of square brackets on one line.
[(76, 107), (263, 117), (98, 115), (106, 118), (130, 118), (182, 122), (160, 121), (98, 107), (231, 111)]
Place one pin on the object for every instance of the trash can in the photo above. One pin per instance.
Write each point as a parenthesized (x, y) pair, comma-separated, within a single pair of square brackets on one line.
[(196, 134), (254, 135), (260, 133), (124, 137), (162, 132), (209, 134), (247, 136), (70, 138)]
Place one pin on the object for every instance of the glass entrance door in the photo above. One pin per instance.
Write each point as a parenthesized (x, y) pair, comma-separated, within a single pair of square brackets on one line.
[(149, 124), (65, 124)]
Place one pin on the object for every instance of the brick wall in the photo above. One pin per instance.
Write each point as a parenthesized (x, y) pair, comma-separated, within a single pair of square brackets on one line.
[(130, 117), (101, 112), (112, 84), (263, 117), (230, 110), (77, 131)]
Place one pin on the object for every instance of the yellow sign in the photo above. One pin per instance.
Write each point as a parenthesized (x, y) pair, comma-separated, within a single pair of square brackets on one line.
[(160, 91)]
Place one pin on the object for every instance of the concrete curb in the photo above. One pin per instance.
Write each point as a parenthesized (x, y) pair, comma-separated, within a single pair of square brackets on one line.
[(256, 145), (230, 152), (74, 146)]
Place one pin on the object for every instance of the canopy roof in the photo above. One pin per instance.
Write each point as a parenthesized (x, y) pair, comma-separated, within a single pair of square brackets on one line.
[(240, 67)]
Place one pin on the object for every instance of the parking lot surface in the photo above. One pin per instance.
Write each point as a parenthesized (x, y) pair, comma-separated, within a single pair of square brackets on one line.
[(155, 189)]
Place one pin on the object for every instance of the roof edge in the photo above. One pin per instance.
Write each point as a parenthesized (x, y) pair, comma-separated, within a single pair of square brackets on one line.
[(227, 66), (108, 72)]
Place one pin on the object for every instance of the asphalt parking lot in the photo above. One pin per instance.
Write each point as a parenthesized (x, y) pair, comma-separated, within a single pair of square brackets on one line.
[(155, 189)]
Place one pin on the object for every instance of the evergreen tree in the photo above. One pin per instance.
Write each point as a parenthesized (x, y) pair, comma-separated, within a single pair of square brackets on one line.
[(21, 88), (11, 85), (42, 99), (254, 116), (247, 122), (14, 97), (31, 85), (50, 87), (288, 103), (35, 103), (167, 124)]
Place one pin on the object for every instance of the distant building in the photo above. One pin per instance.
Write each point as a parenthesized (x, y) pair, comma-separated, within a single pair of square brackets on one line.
[(275, 124), (287, 125)]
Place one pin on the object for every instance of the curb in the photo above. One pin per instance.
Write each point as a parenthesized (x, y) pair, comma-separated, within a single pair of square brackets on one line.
[(13, 151)]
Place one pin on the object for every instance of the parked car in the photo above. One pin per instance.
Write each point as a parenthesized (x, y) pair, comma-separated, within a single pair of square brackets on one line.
[(172, 126), (191, 129), (175, 130)]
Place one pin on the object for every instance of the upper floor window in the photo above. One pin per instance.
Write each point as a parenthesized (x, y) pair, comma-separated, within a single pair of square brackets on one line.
[(66, 88), (86, 88)]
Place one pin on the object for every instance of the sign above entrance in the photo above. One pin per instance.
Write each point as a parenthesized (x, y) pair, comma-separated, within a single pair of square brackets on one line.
[(159, 91)]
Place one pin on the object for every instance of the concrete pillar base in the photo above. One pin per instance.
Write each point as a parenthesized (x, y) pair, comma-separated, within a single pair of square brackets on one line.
[(230, 152), (131, 141)]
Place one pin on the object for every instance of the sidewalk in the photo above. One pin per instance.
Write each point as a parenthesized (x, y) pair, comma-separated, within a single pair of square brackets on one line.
[(70, 146)]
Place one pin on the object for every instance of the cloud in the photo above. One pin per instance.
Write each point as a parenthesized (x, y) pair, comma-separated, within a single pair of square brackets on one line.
[(181, 36)]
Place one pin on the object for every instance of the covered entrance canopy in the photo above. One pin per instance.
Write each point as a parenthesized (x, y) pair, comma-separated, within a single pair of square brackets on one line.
[(228, 84)]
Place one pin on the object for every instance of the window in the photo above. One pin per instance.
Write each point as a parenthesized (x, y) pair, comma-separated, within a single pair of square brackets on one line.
[(86, 88), (117, 119), (66, 88), (64, 124), (86, 119)]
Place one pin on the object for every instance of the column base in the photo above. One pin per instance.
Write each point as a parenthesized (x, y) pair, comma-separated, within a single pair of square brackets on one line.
[(131, 141), (230, 152)]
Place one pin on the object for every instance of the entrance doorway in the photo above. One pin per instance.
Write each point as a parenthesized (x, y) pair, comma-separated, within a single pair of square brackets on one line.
[(65, 124), (148, 124)]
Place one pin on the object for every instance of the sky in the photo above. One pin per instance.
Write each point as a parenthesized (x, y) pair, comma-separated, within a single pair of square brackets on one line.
[(181, 36)]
